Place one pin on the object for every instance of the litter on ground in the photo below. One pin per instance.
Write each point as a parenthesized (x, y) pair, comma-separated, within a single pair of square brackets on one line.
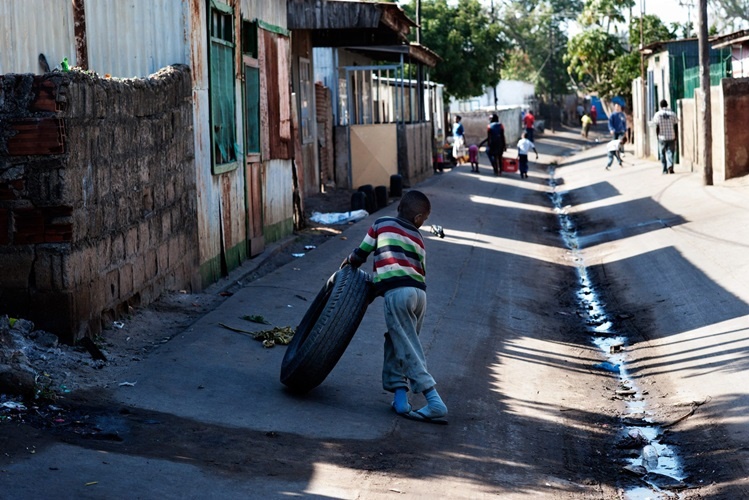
[(339, 217)]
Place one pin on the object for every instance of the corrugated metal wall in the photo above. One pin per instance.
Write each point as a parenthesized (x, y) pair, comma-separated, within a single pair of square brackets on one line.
[(125, 38), (269, 11), (31, 27), (135, 37)]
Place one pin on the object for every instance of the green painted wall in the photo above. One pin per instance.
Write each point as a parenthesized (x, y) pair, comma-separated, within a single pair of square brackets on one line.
[(279, 230)]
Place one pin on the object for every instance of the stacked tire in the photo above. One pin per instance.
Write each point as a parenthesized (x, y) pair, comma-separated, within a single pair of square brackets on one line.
[(369, 191)]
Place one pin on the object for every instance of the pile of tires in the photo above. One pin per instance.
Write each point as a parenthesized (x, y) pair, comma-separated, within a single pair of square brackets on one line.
[(326, 329)]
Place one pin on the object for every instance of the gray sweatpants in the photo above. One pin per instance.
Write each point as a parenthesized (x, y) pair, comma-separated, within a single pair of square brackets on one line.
[(404, 364)]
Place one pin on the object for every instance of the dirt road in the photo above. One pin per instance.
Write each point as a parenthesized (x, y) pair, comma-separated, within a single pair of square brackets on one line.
[(508, 336)]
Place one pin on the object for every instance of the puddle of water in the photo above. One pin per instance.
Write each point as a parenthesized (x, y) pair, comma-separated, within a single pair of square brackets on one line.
[(660, 460)]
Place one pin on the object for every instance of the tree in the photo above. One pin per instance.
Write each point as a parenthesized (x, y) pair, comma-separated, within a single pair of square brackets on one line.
[(470, 43), (534, 28), (590, 57), (605, 61), (733, 13)]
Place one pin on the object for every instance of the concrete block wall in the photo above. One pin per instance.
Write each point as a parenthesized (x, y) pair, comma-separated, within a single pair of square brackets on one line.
[(475, 123), (97, 196)]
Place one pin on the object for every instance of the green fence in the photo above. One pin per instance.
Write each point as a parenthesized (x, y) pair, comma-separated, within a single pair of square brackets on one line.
[(718, 71)]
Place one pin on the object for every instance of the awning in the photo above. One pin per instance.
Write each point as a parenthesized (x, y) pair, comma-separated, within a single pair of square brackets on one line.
[(737, 37), (379, 29)]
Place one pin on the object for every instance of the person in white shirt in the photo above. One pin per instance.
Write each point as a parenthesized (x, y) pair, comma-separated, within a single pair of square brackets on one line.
[(524, 147), (666, 123), (614, 149)]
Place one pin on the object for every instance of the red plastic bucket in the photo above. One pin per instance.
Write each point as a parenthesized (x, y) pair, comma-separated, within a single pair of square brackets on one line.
[(509, 164)]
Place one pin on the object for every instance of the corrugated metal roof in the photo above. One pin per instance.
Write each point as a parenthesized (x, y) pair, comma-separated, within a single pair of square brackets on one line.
[(31, 27)]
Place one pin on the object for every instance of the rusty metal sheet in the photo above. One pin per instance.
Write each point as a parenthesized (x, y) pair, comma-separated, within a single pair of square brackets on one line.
[(270, 11), (135, 38), (31, 27)]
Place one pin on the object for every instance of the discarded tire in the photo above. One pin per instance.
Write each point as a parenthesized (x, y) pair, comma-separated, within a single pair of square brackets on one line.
[(381, 195), (359, 201), (396, 186), (368, 190), (326, 329)]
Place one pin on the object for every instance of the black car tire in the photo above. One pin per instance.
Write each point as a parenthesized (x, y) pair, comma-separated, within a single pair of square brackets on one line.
[(326, 329)]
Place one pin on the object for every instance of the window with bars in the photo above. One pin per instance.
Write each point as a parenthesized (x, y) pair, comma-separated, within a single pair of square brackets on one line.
[(223, 105), (251, 87)]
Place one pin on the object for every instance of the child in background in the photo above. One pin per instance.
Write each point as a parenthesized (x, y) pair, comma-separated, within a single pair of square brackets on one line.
[(614, 149), (524, 147), (473, 157), (399, 276), (586, 121)]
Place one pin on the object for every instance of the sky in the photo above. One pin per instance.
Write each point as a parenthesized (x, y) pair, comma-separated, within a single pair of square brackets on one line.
[(670, 11)]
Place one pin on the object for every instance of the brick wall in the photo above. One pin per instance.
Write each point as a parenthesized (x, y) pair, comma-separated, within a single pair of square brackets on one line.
[(97, 196)]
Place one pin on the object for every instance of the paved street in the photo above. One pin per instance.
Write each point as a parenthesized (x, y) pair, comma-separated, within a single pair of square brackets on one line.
[(651, 268)]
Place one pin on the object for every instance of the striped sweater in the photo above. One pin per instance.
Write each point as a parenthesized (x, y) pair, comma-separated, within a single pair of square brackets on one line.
[(399, 255)]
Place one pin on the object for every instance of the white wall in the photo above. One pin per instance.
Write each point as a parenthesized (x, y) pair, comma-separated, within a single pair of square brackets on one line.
[(509, 93)]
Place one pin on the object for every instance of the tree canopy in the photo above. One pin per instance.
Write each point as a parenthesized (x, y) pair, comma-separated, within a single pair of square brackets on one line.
[(469, 41), (732, 14), (605, 60), (536, 31)]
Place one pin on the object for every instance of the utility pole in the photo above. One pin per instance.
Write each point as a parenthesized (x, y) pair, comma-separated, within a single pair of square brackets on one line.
[(643, 85), (418, 21), (689, 4), (496, 98), (551, 71), (706, 156)]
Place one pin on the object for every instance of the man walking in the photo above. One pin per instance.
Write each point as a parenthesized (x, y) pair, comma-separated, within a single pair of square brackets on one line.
[(618, 123), (666, 124), (528, 121)]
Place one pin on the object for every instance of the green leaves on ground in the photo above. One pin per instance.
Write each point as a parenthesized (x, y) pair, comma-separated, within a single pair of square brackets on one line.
[(256, 318)]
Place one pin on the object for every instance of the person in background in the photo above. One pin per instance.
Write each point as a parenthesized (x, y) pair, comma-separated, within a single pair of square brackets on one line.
[(473, 157), (459, 140), (528, 121), (587, 121), (525, 145), (495, 138), (666, 127), (594, 114), (618, 123), (580, 111), (400, 278), (614, 149)]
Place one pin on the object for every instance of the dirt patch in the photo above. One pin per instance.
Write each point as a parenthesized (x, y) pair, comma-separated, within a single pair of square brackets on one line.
[(53, 371)]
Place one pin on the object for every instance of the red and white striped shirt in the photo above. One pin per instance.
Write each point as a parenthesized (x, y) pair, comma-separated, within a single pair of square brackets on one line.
[(399, 254)]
